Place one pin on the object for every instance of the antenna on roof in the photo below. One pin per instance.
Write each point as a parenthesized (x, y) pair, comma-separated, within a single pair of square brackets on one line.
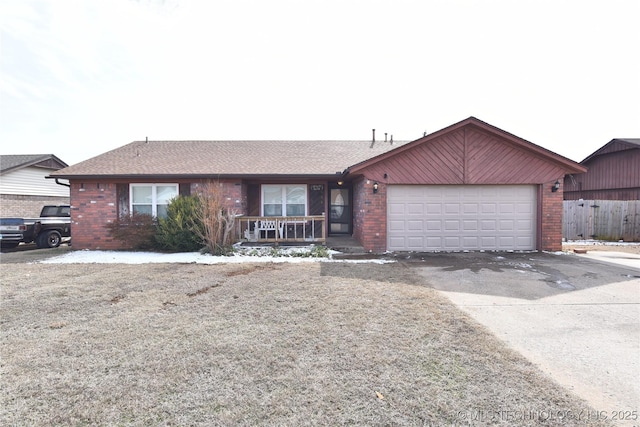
[(373, 138)]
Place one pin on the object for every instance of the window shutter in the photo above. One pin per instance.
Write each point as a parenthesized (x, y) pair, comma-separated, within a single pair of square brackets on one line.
[(185, 189), (122, 191)]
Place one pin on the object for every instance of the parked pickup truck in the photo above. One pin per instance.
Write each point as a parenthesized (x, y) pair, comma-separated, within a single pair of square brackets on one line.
[(47, 231)]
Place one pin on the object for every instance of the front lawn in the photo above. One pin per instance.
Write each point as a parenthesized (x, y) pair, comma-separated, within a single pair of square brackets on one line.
[(255, 344)]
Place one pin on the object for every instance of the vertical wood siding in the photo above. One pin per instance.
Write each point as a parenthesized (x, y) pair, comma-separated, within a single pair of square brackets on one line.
[(612, 176)]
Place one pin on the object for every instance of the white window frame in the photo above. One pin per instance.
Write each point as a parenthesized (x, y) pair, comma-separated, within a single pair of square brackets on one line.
[(154, 194), (283, 189)]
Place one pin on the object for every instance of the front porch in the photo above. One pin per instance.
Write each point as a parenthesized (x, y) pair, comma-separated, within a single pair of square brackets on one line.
[(278, 230), (293, 231)]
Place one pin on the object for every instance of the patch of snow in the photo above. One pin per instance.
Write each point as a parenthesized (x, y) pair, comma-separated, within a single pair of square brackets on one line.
[(122, 257)]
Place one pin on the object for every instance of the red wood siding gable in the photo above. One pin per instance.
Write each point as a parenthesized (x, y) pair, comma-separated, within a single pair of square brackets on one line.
[(469, 152)]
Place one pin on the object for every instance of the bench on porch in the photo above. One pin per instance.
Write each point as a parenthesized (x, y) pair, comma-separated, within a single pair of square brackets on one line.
[(265, 225), (281, 229)]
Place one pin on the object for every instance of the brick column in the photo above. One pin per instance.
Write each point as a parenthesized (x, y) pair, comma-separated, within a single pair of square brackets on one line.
[(551, 217)]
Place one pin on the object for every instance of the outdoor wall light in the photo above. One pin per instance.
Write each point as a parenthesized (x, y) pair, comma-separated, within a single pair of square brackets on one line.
[(556, 186), (375, 187), (339, 182)]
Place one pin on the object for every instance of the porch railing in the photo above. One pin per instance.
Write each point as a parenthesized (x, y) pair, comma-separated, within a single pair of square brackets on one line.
[(281, 229)]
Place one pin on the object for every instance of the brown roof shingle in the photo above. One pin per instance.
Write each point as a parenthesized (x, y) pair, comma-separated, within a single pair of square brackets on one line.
[(228, 158)]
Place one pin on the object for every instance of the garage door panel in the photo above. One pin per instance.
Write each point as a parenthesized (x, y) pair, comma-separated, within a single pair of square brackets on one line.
[(506, 225), (415, 225), (415, 243), (470, 225), (452, 225), (458, 217), (451, 208), (434, 225), (397, 226)]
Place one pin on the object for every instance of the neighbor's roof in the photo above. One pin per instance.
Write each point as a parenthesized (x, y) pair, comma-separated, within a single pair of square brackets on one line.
[(228, 158), (9, 162), (616, 144)]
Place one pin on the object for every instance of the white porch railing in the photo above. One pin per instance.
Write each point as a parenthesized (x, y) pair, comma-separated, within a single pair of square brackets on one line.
[(280, 229)]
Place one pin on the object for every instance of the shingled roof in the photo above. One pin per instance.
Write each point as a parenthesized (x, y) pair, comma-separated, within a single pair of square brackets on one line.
[(616, 144), (10, 162), (227, 159)]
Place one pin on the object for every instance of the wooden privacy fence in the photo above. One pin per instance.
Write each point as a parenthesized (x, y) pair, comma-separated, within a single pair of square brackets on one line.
[(601, 220)]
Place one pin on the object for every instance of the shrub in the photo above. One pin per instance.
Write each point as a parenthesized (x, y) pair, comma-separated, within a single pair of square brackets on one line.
[(136, 231), (218, 222), (181, 230)]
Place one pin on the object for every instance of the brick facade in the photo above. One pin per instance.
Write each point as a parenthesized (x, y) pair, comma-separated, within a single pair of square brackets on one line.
[(94, 205), (22, 206), (370, 215), (550, 222)]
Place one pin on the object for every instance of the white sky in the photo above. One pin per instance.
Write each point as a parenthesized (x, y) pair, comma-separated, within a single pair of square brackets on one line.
[(81, 77)]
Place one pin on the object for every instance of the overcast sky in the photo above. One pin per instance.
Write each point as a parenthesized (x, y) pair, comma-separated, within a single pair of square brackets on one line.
[(81, 77)]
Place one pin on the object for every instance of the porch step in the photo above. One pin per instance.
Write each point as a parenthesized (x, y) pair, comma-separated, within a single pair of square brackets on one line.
[(345, 244)]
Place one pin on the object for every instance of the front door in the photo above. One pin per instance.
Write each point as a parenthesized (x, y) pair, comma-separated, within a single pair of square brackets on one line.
[(340, 211)]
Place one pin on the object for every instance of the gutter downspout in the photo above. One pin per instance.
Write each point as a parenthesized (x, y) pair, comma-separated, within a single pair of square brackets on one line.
[(58, 182)]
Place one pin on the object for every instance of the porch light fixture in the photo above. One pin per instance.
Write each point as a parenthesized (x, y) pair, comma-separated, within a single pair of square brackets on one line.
[(375, 187), (339, 182), (555, 187)]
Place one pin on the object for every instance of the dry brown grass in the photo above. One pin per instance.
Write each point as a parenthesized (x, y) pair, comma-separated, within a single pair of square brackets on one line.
[(277, 344)]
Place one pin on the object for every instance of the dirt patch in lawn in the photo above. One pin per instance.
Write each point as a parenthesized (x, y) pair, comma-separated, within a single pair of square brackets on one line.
[(629, 248), (286, 344)]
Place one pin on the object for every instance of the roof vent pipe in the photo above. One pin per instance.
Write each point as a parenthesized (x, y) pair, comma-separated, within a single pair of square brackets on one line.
[(373, 137), (391, 140), (385, 137)]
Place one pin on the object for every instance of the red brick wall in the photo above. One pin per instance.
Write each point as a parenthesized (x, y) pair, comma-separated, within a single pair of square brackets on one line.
[(550, 221), (370, 215), (234, 193), (93, 206)]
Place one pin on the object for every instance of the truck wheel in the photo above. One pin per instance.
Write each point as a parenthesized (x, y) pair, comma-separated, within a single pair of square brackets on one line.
[(49, 239)]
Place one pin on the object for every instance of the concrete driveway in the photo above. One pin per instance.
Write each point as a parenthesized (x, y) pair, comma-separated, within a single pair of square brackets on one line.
[(575, 317)]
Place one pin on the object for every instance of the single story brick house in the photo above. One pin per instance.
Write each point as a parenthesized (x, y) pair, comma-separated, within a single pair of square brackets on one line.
[(469, 186)]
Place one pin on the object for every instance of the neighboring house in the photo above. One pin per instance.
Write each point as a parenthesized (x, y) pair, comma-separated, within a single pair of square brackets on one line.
[(470, 186), (613, 173), (23, 187)]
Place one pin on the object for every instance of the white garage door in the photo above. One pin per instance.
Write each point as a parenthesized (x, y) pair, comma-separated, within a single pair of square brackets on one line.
[(461, 217)]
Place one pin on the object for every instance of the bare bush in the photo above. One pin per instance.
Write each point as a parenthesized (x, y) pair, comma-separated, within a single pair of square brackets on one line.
[(135, 231), (218, 221)]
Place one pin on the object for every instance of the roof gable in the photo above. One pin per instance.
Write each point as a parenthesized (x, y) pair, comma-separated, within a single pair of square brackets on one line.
[(469, 152), (616, 144), (11, 162)]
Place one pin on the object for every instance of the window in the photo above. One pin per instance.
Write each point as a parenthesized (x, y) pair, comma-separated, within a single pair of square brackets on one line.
[(152, 199), (284, 200)]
